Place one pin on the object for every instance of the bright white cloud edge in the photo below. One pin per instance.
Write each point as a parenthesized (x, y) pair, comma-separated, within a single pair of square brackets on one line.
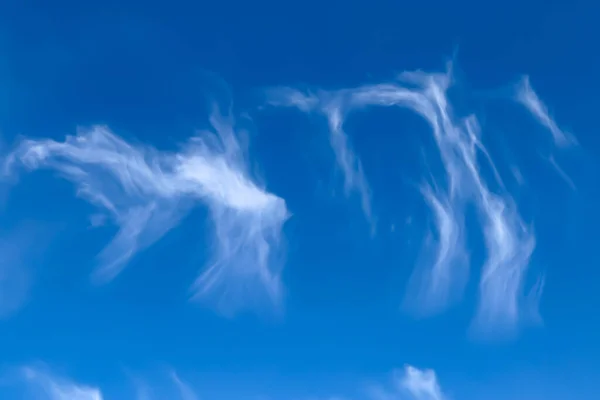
[(58, 388), (146, 192)]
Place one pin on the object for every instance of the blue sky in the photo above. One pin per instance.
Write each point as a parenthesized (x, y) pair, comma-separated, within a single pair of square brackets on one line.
[(303, 201)]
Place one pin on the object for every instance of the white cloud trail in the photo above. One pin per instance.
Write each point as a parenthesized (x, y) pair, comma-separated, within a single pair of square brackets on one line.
[(55, 388), (146, 192), (332, 109), (421, 384), (42, 384), (530, 100), (509, 240), (185, 391), (409, 383)]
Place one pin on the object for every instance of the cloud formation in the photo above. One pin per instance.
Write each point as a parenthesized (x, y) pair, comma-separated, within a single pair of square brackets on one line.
[(409, 383), (509, 240), (421, 384), (333, 110), (55, 388), (42, 384), (146, 192), (185, 391), (530, 100)]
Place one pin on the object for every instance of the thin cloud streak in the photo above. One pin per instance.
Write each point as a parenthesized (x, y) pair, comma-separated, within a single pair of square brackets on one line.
[(530, 100), (146, 192), (447, 274), (52, 387), (561, 173), (142, 391), (185, 391), (509, 241), (56, 388), (334, 111), (407, 383)]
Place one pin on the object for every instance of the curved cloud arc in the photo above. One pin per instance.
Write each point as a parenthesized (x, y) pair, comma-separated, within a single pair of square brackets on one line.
[(509, 240)]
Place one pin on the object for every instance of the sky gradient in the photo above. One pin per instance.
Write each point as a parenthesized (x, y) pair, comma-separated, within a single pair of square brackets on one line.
[(307, 201)]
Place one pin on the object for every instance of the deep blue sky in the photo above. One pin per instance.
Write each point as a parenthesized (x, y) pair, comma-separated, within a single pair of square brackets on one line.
[(148, 70)]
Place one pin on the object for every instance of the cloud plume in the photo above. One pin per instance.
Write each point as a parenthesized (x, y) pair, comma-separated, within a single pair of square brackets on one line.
[(176, 388), (334, 111), (146, 192), (421, 384), (55, 388), (185, 391), (409, 383), (530, 100), (509, 241)]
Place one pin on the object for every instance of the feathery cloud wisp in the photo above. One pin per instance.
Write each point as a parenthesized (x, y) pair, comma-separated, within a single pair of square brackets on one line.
[(333, 110), (509, 241), (409, 383), (435, 284), (53, 387), (185, 391), (56, 388), (146, 192), (530, 100), (421, 384)]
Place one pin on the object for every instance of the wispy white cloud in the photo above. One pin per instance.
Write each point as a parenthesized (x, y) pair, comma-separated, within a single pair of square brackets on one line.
[(421, 384), (334, 111), (146, 192), (56, 388), (175, 389), (42, 384), (561, 172), (142, 390), (527, 97), (354, 177), (530, 100), (440, 278), (409, 383), (509, 240), (185, 391)]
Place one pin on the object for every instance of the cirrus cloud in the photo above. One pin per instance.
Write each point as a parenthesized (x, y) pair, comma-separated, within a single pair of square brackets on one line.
[(146, 192), (509, 240)]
